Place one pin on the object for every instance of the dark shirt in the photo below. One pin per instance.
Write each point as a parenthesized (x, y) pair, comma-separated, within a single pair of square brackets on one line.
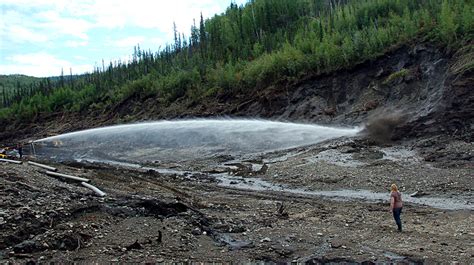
[(397, 199)]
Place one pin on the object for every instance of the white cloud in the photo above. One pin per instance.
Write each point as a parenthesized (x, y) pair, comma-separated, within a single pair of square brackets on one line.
[(34, 58), (76, 18), (75, 44), (129, 42), (79, 58), (40, 64), (22, 34), (41, 20), (53, 21), (159, 42), (22, 25), (14, 28), (152, 14)]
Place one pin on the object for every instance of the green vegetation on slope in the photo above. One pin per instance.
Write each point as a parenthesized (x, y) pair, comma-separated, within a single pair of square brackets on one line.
[(254, 45), (13, 87)]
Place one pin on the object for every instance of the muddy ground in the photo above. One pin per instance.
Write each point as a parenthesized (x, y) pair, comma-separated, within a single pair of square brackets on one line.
[(189, 215)]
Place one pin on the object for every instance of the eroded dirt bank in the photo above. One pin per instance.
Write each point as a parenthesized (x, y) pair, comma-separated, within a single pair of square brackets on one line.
[(190, 216), (417, 81)]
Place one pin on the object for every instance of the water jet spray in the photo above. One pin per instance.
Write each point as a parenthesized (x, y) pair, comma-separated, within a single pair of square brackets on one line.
[(184, 140)]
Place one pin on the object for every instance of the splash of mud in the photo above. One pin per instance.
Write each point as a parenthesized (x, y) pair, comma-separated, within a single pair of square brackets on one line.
[(381, 125)]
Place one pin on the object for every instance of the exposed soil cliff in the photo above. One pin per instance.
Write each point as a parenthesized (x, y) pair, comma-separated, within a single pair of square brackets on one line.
[(413, 82)]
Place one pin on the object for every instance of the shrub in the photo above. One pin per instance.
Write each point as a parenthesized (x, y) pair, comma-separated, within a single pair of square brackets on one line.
[(397, 75), (175, 84), (287, 62)]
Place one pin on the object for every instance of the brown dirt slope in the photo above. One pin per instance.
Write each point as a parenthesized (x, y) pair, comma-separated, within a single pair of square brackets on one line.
[(417, 82)]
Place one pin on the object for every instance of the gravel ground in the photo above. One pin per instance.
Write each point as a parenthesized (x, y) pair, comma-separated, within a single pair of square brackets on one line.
[(151, 217)]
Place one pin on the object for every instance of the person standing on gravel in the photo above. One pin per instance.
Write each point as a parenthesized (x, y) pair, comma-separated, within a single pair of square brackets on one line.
[(19, 147), (396, 205)]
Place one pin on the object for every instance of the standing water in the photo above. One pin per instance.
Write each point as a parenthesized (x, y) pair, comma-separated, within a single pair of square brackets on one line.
[(173, 141)]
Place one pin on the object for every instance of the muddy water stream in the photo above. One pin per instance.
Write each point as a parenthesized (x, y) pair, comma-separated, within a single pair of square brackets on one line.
[(256, 184)]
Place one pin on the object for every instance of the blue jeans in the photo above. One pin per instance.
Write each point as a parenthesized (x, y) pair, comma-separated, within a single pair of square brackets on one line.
[(396, 215)]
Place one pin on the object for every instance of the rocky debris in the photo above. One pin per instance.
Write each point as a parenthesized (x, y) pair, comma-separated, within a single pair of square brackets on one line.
[(418, 194), (234, 244), (446, 153), (338, 243), (135, 245), (161, 209), (284, 251), (28, 246), (171, 218), (338, 260), (229, 227), (281, 211), (368, 154), (245, 168)]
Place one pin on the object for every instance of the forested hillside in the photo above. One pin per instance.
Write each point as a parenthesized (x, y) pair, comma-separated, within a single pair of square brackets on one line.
[(251, 47), (14, 87)]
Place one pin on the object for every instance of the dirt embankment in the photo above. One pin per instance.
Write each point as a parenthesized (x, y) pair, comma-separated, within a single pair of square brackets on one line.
[(416, 81)]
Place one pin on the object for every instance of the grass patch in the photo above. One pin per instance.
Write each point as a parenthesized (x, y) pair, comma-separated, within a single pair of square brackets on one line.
[(463, 61), (395, 76)]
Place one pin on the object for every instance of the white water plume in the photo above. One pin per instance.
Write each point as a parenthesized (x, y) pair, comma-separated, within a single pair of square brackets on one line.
[(173, 141)]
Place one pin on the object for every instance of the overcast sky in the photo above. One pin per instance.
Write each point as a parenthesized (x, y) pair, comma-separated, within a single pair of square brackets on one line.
[(39, 37)]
